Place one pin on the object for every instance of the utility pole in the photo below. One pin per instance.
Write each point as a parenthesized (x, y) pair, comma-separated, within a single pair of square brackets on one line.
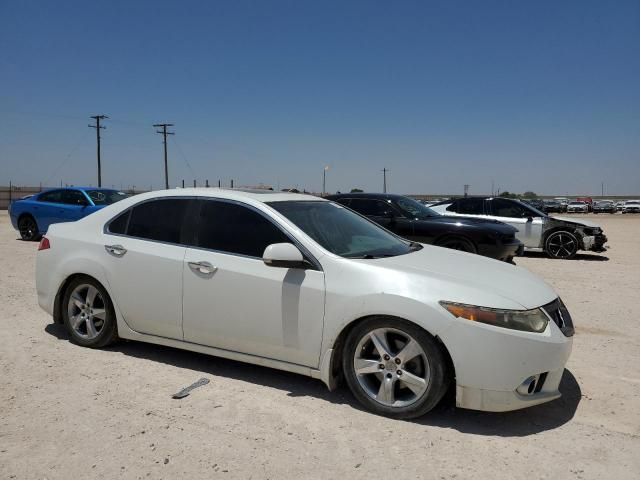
[(466, 190), (324, 180), (98, 127), (602, 185), (164, 141), (384, 180)]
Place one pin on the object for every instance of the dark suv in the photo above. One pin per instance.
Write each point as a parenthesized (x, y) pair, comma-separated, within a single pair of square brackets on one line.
[(410, 219)]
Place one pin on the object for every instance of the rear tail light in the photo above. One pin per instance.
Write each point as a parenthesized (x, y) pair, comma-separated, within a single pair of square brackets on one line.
[(44, 244)]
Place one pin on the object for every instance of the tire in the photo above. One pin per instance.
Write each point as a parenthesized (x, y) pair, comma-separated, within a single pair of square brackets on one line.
[(425, 367), (561, 244), (88, 314), (28, 228), (457, 243)]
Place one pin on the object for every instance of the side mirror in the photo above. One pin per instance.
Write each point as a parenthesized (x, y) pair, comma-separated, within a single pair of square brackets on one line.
[(284, 255)]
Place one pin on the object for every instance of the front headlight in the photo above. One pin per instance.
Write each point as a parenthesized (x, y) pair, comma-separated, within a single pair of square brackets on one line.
[(525, 320)]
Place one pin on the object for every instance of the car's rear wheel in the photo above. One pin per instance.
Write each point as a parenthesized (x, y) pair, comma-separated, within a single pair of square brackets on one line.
[(457, 243), (28, 228), (88, 313), (562, 245), (394, 368)]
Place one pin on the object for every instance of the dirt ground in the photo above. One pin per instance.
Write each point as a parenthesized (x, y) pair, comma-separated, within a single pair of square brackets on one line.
[(69, 412)]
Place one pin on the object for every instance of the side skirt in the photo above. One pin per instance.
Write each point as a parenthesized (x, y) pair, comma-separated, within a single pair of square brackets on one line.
[(125, 332)]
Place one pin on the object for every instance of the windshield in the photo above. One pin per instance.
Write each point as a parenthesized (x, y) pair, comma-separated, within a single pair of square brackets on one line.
[(105, 197), (538, 213), (341, 231), (415, 209), (576, 203)]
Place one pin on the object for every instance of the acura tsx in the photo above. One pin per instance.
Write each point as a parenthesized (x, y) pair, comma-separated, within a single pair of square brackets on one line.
[(306, 285)]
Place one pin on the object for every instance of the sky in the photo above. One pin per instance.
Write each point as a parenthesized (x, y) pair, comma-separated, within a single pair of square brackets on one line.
[(541, 96)]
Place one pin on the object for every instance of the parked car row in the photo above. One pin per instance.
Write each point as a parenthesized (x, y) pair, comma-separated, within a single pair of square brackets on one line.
[(558, 237), (413, 220), (308, 285)]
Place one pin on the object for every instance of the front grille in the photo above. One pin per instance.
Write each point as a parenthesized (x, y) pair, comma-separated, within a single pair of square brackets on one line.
[(560, 316)]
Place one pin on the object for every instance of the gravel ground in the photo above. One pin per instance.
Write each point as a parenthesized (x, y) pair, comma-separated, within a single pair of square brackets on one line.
[(70, 412)]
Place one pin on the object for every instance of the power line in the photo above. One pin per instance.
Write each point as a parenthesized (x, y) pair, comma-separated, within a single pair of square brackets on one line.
[(164, 135), (66, 158), (98, 128), (184, 158)]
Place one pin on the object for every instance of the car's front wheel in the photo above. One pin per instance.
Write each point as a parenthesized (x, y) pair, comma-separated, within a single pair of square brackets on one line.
[(394, 368), (28, 228), (88, 313), (562, 244)]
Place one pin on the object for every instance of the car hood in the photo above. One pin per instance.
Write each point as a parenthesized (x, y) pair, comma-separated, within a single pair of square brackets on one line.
[(460, 220), (581, 222), (464, 278)]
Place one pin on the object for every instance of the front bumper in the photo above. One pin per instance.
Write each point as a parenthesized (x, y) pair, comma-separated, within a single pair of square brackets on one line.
[(501, 251), (500, 401), (491, 363), (594, 243)]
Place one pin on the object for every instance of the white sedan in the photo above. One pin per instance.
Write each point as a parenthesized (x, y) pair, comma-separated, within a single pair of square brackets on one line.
[(306, 285)]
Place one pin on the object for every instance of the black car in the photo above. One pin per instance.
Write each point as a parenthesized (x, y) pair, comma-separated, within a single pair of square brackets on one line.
[(410, 219), (552, 206), (604, 206)]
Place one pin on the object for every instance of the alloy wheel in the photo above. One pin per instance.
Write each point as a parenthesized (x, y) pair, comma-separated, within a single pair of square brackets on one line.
[(562, 245), (391, 367), (87, 311)]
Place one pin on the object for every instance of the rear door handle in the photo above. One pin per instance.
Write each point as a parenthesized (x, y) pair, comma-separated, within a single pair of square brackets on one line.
[(202, 267), (117, 250)]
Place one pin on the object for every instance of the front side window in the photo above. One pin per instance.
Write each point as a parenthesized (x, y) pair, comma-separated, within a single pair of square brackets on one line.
[(74, 197), (371, 207), (159, 220), (236, 229), (341, 231), (511, 208)]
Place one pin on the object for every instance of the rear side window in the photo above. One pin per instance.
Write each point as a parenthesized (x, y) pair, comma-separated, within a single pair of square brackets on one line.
[(159, 220), (119, 224), (54, 196), (470, 206), (233, 228)]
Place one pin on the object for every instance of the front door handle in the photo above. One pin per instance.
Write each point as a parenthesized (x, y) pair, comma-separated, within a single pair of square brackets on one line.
[(202, 267), (117, 250)]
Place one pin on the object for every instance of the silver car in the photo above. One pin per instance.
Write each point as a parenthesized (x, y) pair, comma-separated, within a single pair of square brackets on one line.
[(558, 237)]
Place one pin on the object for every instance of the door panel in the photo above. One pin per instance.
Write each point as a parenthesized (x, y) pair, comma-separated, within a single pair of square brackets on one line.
[(146, 277), (529, 227), (147, 284), (246, 306)]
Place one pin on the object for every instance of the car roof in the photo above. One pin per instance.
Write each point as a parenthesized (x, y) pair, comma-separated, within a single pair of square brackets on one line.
[(79, 188), (377, 196), (239, 194)]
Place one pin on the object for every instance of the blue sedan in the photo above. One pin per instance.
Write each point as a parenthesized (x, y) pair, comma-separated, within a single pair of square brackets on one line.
[(32, 215)]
